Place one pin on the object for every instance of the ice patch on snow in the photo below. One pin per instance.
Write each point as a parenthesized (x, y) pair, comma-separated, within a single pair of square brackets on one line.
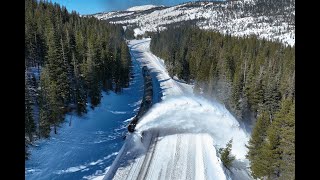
[(99, 132), (128, 120), (98, 175), (135, 104), (118, 112), (31, 170), (71, 169)]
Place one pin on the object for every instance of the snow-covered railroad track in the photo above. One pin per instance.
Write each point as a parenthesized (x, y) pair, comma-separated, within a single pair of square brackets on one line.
[(178, 137)]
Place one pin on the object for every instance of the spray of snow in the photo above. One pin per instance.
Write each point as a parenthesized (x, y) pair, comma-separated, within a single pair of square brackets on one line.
[(182, 112), (196, 115)]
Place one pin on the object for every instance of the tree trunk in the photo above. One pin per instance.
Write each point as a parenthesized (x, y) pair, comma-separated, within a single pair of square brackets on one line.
[(70, 121), (30, 137), (244, 73)]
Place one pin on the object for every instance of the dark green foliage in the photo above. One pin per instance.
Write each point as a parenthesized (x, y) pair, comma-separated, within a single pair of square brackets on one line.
[(271, 147), (76, 56), (30, 127), (30, 124), (225, 155), (281, 142), (253, 78), (129, 33), (257, 155), (246, 74), (26, 145), (48, 106)]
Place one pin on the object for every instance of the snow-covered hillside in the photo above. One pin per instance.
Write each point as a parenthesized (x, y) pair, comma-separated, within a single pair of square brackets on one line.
[(141, 8), (243, 17)]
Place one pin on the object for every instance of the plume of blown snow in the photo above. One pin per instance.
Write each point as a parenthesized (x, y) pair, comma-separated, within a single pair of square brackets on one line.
[(196, 115)]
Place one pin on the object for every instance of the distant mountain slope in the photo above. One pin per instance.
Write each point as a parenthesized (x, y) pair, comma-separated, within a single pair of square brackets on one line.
[(141, 8), (272, 19)]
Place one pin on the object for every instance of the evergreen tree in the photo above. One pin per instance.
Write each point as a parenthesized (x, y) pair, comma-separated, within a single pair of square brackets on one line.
[(281, 139), (30, 127), (44, 121), (226, 156), (287, 145), (26, 146), (257, 156)]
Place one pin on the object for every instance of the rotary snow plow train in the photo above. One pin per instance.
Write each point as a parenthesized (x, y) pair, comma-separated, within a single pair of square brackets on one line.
[(146, 101)]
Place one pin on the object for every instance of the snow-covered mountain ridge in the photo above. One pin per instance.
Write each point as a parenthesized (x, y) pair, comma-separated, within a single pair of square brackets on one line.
[(266, 19), (141, 8)]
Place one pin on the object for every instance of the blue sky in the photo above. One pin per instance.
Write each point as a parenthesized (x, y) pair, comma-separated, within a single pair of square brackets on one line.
[(95, 6)]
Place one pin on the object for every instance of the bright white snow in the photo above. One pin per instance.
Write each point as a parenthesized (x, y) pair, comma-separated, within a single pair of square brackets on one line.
[(179, 137), (140, 8)]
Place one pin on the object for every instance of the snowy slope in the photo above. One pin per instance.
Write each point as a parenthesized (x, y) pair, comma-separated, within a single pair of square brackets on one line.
[(178, 137), (86, 146), (141, 8), (235, 17)]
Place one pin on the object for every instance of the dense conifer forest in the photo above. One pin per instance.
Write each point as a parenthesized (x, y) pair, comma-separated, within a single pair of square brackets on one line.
[(70, 59), (255, 79), (76, 58)]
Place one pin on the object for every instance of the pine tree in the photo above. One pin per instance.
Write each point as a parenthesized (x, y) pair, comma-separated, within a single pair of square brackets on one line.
[(236, 95), (280, 140), (30, 127), (56, 107), (287, 145), (26, 147), (272, 99), (256, 154), (226, 156), (44, 121), (125, 63), (91, 76)]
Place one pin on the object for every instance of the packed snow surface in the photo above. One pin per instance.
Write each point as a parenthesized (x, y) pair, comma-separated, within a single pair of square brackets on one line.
[(178, 138)]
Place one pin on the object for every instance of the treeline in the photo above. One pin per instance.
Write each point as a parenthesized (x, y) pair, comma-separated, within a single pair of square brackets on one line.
[(255, 79), (78, 57)]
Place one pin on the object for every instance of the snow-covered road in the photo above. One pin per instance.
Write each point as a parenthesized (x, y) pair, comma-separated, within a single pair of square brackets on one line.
[(180, 135)]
